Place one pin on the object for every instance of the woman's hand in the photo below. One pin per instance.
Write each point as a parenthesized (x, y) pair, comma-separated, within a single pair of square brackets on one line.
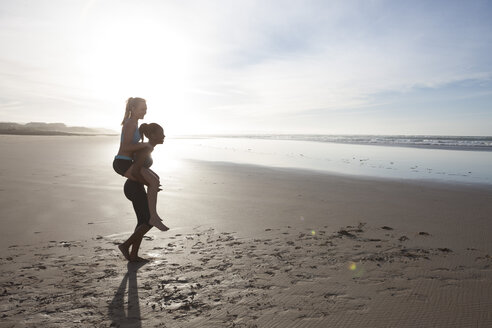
[(148, 146)]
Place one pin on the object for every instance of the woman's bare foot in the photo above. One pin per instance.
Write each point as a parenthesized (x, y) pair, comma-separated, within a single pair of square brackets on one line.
[(138, 259), (125, 251), (156, 222)]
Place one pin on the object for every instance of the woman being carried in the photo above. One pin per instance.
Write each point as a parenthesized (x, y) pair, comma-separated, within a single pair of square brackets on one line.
[(136, 108)]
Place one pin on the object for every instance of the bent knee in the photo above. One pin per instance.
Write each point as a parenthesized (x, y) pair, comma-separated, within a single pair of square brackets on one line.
[(154, 183)]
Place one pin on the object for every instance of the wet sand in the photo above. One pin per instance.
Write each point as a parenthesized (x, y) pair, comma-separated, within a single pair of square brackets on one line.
[(248, 247)]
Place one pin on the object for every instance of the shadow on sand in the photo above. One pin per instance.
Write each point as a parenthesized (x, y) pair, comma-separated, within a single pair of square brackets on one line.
[(116, 309)]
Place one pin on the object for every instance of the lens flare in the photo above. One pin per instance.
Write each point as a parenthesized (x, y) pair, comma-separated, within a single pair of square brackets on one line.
[(357, 270)]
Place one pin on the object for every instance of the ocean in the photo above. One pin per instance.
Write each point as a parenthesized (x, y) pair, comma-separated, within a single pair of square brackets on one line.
[(461, 159), (465, 160), (421, 141)]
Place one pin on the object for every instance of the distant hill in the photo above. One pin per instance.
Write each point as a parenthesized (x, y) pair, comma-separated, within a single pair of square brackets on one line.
[(42, 128)]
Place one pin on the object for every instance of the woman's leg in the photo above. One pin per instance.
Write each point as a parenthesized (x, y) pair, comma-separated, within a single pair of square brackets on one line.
[(135, 192), (128, 174), (140, 231), (157, 177), (154, 173), (134, 241), (152, 190)]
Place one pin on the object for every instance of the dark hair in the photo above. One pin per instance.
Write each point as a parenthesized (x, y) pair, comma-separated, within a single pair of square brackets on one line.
[(147, 129)]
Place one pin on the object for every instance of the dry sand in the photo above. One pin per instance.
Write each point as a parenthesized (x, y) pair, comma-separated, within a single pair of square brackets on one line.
[(249, 247)]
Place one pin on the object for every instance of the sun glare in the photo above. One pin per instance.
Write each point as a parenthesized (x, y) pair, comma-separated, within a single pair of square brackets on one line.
[(145, 59)]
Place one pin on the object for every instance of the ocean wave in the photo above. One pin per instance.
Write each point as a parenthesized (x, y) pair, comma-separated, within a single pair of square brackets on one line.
[(439, 142)]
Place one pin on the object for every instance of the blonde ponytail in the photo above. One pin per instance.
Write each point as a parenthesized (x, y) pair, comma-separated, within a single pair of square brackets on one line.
[(130, 104)]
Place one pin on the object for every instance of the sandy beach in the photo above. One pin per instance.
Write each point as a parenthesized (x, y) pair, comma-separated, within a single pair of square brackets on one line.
[(249, 246), (320, 164)]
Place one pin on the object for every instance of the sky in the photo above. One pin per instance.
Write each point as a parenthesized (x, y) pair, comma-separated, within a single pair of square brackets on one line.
[(242, 67)]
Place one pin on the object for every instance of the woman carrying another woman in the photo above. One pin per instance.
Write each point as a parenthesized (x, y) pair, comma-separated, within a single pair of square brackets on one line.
[(134, 191)]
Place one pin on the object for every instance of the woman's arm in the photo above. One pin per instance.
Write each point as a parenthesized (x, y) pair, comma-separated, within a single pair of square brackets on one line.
[(127, 145), (132, 148)]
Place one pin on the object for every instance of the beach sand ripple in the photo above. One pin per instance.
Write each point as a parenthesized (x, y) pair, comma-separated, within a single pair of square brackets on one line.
[(357, 276)]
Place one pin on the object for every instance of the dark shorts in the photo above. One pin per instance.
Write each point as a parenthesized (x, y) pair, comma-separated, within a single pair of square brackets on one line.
[(121, 165), (135, 192)]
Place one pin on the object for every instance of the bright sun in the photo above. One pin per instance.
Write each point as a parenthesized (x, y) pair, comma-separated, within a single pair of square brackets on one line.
[(144, 59)]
